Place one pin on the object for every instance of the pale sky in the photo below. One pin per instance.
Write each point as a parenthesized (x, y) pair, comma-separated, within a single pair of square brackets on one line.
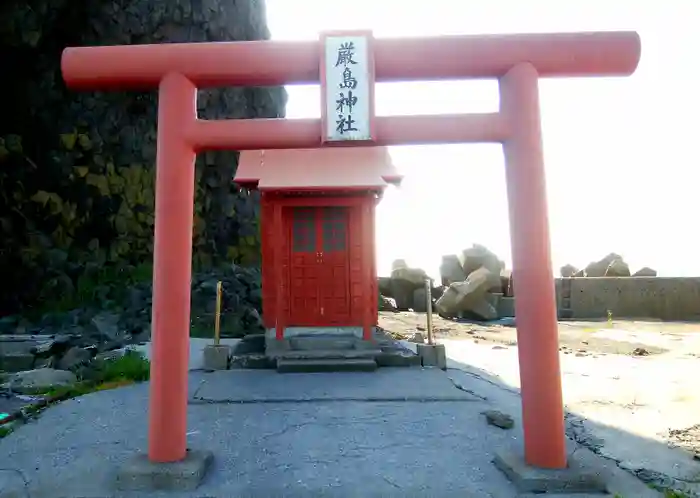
[(622, 170)]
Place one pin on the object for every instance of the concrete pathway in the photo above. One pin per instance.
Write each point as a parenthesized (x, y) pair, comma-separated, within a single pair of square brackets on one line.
[(393, 433), (387, 385), (620, 406)]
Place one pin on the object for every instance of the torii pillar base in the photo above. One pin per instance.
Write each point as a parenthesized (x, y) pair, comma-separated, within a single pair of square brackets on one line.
[(143, 475), (576, 477)]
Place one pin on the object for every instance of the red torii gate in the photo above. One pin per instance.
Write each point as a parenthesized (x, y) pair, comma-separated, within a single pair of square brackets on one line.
[(517, 61)]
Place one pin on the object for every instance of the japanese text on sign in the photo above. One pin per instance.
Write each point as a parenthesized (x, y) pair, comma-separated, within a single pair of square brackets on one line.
[(347, 91)]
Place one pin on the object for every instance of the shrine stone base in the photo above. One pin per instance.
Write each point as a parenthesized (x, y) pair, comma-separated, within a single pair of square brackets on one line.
[(574, 479), (216, 356), (140, 474), (432, 355)]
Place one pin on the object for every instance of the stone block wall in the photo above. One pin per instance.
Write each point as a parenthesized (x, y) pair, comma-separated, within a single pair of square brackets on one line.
[(662, 298)]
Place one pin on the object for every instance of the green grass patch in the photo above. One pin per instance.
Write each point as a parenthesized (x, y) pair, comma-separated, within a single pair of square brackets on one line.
[(668, 493), (131, 366), (105, 374)]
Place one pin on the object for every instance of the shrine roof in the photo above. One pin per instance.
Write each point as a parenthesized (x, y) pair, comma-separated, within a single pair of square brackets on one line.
[(317, 169)]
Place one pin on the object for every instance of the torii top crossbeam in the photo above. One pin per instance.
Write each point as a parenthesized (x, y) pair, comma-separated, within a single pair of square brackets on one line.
[(267, 63), (260, 63)]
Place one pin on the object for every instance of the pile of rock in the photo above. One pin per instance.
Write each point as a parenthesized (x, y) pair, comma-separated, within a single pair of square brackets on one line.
[(475, 281), (241, 300), (612, 265), (63, 351), (404, 290), (39, 379), (68, 339)]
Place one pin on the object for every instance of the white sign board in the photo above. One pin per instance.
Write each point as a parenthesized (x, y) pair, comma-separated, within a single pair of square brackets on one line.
[(347, 94)]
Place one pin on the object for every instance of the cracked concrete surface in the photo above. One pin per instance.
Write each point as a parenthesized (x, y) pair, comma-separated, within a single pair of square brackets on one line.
[(267, 386), (621, 407), (342, 448)]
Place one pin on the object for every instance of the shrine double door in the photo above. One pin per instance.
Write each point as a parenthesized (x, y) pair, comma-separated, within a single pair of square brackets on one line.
[(319, 281)]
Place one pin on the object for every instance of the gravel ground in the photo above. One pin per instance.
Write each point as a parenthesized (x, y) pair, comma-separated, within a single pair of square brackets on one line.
[(593, 337)]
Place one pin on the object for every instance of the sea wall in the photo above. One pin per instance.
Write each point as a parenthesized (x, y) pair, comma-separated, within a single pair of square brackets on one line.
[(664, 298)]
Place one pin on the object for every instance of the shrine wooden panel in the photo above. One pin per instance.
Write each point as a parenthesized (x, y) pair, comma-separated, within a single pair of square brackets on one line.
[(319, 292)]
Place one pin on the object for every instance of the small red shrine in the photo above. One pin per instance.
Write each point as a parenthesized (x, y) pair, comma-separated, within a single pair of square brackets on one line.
[(317, 227)]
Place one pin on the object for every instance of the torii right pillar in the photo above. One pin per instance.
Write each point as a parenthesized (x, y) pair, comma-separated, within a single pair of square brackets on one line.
[(533, 281), (545, 467)]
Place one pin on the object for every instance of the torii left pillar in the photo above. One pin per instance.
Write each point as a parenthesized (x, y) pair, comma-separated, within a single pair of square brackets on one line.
[(177, 70), (175, 174)]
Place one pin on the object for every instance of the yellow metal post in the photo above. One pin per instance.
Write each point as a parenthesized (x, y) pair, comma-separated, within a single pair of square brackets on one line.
[(429, 309), (217, 323)]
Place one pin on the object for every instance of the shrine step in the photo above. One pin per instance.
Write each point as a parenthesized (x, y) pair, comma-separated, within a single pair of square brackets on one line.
[(322, 343), (285, 365), (321, 354)]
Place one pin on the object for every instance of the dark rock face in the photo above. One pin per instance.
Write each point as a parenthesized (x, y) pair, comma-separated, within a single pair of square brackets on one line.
[(77, 167)]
